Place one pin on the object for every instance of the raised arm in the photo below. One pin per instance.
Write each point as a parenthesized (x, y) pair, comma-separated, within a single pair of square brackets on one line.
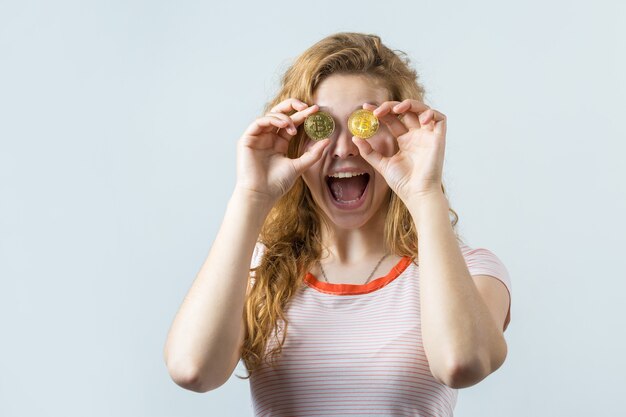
[(204, 341)]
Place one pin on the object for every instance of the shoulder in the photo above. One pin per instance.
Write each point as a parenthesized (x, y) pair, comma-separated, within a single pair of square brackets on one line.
[(483, 261), (489, 274)]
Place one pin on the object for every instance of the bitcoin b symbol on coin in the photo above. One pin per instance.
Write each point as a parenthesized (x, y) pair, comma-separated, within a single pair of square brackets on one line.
[(363, 123), (319, 125)]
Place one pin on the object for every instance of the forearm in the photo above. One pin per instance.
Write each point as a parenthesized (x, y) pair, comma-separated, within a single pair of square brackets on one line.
[(458, 330), (205, 330)]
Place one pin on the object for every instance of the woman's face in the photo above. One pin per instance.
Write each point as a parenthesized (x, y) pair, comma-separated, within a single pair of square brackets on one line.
[(340, 95)]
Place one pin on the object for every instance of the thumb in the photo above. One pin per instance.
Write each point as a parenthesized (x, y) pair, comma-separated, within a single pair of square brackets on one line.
[(311, 156), (373, 157)]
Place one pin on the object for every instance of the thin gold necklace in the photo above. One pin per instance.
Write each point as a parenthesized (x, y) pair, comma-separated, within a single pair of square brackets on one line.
[(368, 279)]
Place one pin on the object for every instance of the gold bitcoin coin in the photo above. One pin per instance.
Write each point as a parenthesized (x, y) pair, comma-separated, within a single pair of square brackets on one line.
[(363, 124), (319, 125)]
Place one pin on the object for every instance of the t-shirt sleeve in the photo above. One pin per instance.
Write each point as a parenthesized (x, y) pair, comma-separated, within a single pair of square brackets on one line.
[(481, 261), (257, 254)]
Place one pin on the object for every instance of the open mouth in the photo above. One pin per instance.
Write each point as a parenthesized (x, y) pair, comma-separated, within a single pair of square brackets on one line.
[(349, 188)]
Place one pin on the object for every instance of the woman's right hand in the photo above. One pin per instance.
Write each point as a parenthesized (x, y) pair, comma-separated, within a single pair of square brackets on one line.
[(263, 167)]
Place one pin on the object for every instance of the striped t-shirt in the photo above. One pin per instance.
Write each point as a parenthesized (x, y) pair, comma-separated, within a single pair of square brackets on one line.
[(356, 350)]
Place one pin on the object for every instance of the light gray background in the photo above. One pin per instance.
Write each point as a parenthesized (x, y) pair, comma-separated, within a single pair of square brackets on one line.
[(118, 125)]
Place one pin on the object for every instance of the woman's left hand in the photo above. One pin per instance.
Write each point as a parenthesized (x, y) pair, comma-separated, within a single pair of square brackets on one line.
[(416, 169)]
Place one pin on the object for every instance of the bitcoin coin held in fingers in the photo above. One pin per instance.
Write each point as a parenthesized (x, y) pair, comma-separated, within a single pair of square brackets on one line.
[(363, 124), (319, 125)]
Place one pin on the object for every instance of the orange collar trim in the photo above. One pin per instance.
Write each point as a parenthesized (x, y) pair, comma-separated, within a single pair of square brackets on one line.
[(354, 289)]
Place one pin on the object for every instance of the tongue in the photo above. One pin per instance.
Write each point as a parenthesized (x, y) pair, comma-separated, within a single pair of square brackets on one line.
[(346, 189)]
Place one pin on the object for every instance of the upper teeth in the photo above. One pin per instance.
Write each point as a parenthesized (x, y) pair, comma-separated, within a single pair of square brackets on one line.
[(346, 174)]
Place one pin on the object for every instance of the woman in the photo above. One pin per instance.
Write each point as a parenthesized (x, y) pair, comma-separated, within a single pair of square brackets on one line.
[(346, 311)]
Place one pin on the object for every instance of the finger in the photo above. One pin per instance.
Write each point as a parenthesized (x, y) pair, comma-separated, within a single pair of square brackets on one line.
[(296, 120), (393, 123), (265, 124), (390, 107), (312, 155), (430, 118), (287, 129), (430, 115), (414, 106), (373, 157), (299, 117), (385, 108), (291, 128), (285, 135), (440, 123), (411, 109), (288, 105)]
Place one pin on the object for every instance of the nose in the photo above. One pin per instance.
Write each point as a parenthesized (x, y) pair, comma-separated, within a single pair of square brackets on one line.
[(343, 146)]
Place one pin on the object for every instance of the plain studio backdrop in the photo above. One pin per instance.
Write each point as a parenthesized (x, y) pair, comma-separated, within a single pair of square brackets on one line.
[(118, 127)]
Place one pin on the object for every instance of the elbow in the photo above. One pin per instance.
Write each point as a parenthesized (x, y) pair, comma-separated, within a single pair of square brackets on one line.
[(464, 374), (190, 378)]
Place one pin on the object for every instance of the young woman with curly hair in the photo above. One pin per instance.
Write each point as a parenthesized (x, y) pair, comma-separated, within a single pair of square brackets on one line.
[(337, 275)]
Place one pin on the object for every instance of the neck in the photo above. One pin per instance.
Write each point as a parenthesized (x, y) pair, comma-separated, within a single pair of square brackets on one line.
[(351, 246), (368, 278)]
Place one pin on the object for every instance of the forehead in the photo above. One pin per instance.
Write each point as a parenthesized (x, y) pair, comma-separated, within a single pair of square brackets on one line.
[(349, 92)]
